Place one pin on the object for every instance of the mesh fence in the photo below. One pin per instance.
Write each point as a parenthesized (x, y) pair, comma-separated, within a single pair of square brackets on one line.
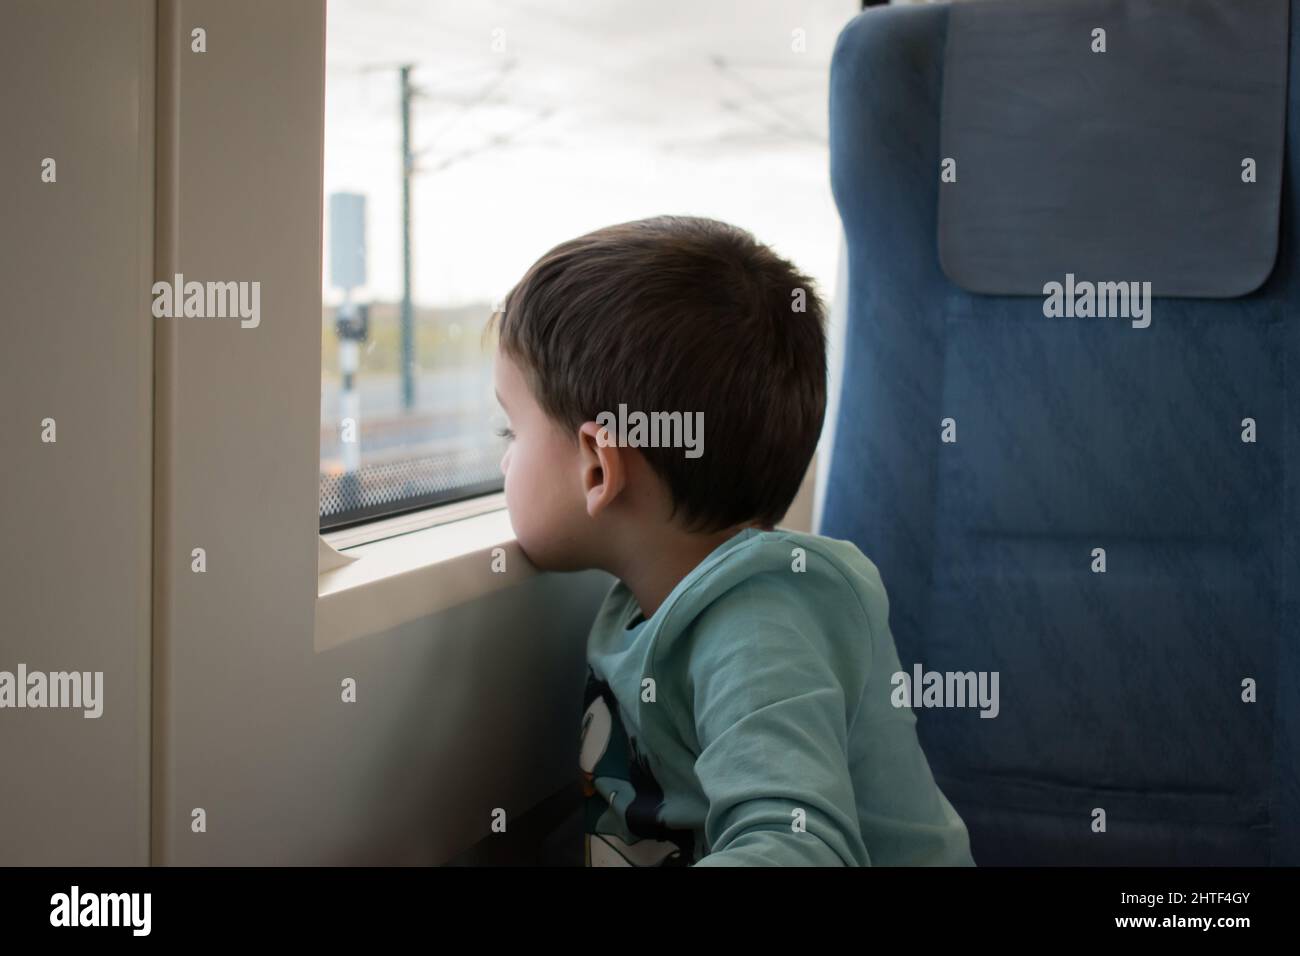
[(388, 487)]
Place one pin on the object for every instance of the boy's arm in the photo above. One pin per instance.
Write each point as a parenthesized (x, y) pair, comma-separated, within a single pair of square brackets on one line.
[(770, 721)]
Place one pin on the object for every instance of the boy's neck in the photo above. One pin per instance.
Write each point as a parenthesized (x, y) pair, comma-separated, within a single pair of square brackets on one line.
[(660, 561)]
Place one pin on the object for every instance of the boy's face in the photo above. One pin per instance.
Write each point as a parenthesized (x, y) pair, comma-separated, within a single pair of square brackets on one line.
[(542, 466)]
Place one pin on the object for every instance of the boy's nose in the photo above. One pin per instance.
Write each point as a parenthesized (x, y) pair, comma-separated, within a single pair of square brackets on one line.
[(505, 459)]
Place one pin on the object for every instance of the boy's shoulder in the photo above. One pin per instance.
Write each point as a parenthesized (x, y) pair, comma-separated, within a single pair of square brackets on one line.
[(758, 584), (771, 590), (782, 568)]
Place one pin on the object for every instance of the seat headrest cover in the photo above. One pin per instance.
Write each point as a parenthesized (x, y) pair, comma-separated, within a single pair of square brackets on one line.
[(1151, 151)]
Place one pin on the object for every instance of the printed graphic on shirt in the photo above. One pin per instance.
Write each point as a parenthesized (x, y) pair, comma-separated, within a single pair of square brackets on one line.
[(623, 799)]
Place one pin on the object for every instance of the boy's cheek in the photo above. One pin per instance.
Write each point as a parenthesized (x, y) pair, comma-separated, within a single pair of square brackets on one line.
[(531, 537), (514, 498), (541, 519), (522, 501)]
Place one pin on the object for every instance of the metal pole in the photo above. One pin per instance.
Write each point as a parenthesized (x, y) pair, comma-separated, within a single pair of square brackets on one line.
[(408, 161)]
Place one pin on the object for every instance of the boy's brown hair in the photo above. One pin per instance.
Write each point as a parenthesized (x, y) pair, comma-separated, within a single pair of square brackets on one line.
[(678, 313)]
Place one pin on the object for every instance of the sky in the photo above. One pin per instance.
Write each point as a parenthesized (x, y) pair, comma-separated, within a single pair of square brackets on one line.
[(539, 120)]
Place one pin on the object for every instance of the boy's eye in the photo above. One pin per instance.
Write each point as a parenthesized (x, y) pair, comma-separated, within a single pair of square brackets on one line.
[(506, 433)]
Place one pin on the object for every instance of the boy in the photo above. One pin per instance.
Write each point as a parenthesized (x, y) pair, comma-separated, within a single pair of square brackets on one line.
[(665, 385)]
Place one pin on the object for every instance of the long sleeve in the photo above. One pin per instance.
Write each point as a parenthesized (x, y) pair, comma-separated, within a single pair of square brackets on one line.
[(750, 720), (770, 720)]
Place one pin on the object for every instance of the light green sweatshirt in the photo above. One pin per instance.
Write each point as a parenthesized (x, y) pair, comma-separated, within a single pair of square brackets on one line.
[(749, 722)]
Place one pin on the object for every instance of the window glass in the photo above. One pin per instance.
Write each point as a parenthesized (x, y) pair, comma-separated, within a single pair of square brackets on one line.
[(463, 140)]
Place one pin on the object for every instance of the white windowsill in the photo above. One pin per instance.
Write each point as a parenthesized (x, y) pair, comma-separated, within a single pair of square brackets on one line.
[(416, 573)]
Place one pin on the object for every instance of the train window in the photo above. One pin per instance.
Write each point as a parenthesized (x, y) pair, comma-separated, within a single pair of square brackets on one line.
[(464, 140)]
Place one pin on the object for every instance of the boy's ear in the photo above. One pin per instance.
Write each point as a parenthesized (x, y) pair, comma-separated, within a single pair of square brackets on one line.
[(604, 466)]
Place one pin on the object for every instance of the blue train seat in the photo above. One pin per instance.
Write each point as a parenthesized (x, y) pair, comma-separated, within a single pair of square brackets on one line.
[(1104, 512)]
